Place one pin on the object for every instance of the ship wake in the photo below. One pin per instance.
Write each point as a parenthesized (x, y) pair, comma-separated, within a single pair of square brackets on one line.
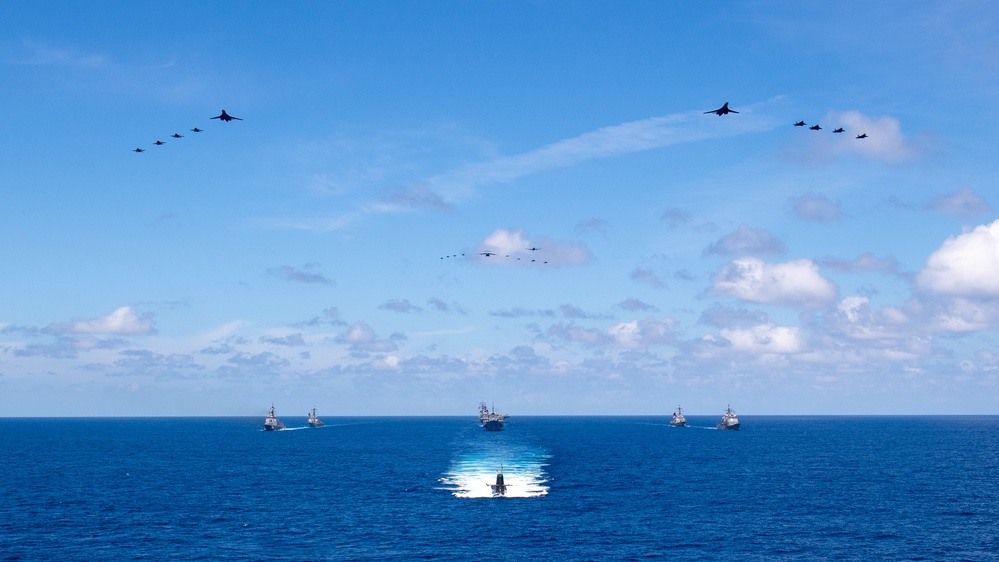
[(471, 475)]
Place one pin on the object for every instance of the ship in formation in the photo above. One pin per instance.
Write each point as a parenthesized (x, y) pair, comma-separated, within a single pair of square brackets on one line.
[(499, 488), (272, 423), (678, 420), (313, 420), (729, 420), (490, 419)]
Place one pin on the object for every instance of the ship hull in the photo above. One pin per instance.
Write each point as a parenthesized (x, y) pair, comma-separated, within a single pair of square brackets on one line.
[(493, 425)]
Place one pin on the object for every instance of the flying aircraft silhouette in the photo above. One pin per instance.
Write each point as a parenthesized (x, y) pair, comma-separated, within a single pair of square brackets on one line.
[(815, 128), (839, 130), (226, 117), (487, 254), (723, 110), (159, 143), (799, 124), (138, 150), (176, 136), (196, 130), (534, 249), (862, 136)]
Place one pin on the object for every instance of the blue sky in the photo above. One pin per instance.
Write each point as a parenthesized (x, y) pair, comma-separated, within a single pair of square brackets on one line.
[(324, 251)]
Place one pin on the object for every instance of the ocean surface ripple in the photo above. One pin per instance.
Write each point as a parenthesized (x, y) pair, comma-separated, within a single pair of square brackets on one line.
[(580, 488)]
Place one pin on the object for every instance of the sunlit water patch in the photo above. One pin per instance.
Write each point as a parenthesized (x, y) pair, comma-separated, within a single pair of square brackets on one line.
[(473, 471)]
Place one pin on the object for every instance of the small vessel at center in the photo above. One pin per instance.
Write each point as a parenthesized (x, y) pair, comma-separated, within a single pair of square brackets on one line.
[(678, 419), (271, 423), (313, 420), (729, 420), (499, 488), (491, 420)]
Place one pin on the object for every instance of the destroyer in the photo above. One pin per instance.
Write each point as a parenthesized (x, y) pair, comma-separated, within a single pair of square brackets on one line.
[(272, 423), (678, 419), (729, 420), (491, 420), (313, 420)]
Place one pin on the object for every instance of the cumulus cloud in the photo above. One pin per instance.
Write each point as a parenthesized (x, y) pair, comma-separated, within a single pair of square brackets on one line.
[(745, 241), (855, 319), (643, 333), (817, 208), (963, 203), (793, 283), (965, 265), (764, 338), (289, 273), (123, 321), (360, 337), (885, 140), (512, 247)]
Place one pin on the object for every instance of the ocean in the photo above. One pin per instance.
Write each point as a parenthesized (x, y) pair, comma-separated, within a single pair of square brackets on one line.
[(579, 488)]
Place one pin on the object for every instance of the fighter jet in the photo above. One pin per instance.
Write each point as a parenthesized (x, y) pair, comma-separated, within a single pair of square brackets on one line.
[(862, 136), (815, 128), (799, 124), (138, 150), (176, 136), (534, 249), (839, 130), (226, 117), (487, 254), (196, 130), (159, 143), (723, 110)]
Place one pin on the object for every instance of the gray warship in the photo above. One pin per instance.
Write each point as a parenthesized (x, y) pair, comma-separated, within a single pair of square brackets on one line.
[(491, 420)]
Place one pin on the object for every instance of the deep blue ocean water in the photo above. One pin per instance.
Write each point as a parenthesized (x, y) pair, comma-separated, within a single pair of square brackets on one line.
[(580, 488)]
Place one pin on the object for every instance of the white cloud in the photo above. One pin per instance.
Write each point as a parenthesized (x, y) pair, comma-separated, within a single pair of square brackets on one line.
[(885, 141), (794, 283), (965, 265), (122, 321), (361, 337), (765, 338), (643, 333), (512, 247)]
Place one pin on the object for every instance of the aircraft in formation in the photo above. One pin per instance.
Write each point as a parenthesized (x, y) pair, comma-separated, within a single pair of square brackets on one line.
[(725, 110), (226, 117), (222, 117), (488, 254)]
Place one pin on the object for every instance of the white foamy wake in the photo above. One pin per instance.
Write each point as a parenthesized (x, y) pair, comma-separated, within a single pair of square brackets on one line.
[(472, 474)]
